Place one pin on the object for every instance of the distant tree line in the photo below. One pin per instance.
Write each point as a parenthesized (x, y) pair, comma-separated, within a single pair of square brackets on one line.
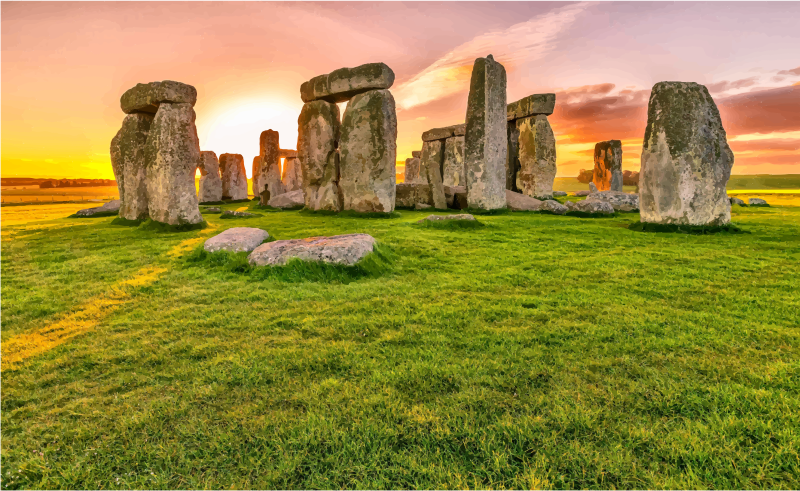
[(76, 183)]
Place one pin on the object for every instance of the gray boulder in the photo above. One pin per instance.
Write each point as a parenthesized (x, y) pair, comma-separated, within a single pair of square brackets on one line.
[(210, 182), (234, 178), (269, 180), (554, 207), (532, 105), (130, 165), (292, 175), (211, 209), (438, 218), (339, 249), (145, 98), (109, 207), (537, 157), (172, 152), (368, 153), (520, 202), (619, 200), (453, 166), (239, 214), (318, 132), (237, 239), (559, 193), (608, 166), (686, 160), (757, 202), (485, 148), (292, 199), (594, 207), (343, 84), (422, 206), (584, 193), (737, 201), (592, 188)]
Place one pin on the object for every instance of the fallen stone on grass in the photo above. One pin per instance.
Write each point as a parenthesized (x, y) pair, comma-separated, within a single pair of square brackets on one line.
[(737, 201), (422, 206), (593, 207), (757, 202), (619, 200), (460, 216), (240, 214), (292, 199), (237, 239), (521, 202), (553, 207), (582, 193), (339, 249), (110, 207), (559, 193), (212, 209)]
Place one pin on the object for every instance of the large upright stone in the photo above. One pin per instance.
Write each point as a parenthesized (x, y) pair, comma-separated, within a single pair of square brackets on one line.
[(130, 165), (432, 157), (269, 180), (342, 84), (537, 157), (512, 157), (172, 151), (292, 174), (256, 173), (368, 150), (608, 166), (453, 166), (318, 132), (686, 160), (485, 147), (411, 175), (234, 177), (210, 182), (145, 98)]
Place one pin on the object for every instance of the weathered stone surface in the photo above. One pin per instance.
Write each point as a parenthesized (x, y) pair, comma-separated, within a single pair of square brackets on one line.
[(553, 207), (291, 199), (210, 182), (537, 157), (737, 201), (292, 175), (411, 172), (211, 209), (130, 165), (288, 154), (416, 154), (256, 173), (431, 164), (512, 156), (437, 218), (236, 239), (318, 132), (443, 133), (520, 202), (456, 197), (485, 148), (145, 98), (368, 153), (592, 188), (686, 160), (592, 206), (532, 105), (453, 166), (240, 214), (559, 193), (608, 166), (172, 151), (234, 178), (407, 195), (111, 206), (583, 193), (269, 181), (619, 200), (343, 84), (421, 206), (757, 202), (339, 249)]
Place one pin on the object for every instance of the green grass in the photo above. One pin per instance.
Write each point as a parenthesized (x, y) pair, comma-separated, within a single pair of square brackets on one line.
[(537, 351), (237, 217), (450, 224), (686, 229)]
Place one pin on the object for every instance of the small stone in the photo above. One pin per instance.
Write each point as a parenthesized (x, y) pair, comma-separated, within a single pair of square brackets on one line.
[(234, 178), (339, 249), (520, 202), (345, 83), (570, 205), (240, 214), (582, 193), (111, 206), (594, 207), (210, 182), (559, 193), (537, 157), (145, 98), (211, 209), (592, 188), (619, 200), (554, 207), (532, 105), (422, 206), (453, 166), (737, 201), (608, 166), (236, 239), (318, 132), (757, 202), (437, 218), (292, 199)]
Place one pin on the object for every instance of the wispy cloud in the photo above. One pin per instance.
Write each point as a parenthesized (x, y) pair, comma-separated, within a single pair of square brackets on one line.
[(524, 42)]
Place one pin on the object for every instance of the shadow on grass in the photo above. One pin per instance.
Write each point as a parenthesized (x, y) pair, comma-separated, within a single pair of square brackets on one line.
[(96, 215), (350, 214), (377, 263), (583, 214), (158, 227), (686, 229), (476, 211), (450, 224), (126, 223)]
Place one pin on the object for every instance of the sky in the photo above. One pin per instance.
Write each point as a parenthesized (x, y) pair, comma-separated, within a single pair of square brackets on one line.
[(64, 66)]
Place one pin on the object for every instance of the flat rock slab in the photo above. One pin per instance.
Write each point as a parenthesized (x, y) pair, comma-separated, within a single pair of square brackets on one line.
[(619, 200), (757, 202), (531, 106), (593, 207), (583, 193), (553, 207), (292, 199), (237, 239), (212, 209), (520, 202), (436, 218), (110, 207), (288, 154), (339, 249), (241, 214), (342, 84), (446, 132), (145, 98)]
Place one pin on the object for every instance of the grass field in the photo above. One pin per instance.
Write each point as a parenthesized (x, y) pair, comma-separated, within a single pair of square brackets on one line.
[(538, 351)]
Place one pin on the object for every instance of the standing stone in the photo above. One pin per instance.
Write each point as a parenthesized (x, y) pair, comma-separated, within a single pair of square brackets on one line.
[(256, 171), (485, 148), (130, 165), (210, 182), (537, 157), (368, 150), (608, 166), (234, 177), (269, 180), (318, 132), (512, 158), (432, 156), (453, 167), (686, 160), (292, 175), (172, 151), (411, 175)]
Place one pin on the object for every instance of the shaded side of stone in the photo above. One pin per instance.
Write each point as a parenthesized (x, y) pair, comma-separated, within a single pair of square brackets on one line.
[(537, 157), (317, 136), (210, 181), (269, 179), (512, 158), (234, 177), (453, 166), (256, 173), (292, 175), (130, 165)]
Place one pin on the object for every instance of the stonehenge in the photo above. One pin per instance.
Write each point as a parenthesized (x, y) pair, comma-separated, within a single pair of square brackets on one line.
[(210, 182), (156, 152), (349, 164), (486, 146), (234, 178), (451, 159), (686, 160), (292, 177), (411, 173), (531, 160), (269, 171), (608, 166)]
